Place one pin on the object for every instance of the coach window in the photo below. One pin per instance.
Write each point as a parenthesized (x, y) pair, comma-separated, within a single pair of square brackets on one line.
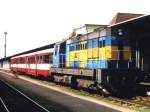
[(51, 59), (28, 60), (32, 60), (20, 60), (40, 59), (46, 59), (37, 59)]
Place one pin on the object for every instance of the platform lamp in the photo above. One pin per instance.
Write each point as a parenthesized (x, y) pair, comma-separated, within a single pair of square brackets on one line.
[(5, 33)]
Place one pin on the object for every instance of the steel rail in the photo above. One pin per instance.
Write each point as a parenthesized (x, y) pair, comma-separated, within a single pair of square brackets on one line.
[(16, 90), (4, 105)]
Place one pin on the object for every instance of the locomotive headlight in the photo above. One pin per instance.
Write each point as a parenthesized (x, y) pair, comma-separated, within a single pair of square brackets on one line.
[(120, 32)]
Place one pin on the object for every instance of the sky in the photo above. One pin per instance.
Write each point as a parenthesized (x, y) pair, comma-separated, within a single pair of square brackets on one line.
[(35, 23)]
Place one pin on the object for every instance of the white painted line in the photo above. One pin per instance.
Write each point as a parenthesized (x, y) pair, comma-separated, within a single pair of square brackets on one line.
[(25, 96), (4, 104)]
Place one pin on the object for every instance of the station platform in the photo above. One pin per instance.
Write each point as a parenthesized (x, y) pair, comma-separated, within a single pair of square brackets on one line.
[(56, 101)]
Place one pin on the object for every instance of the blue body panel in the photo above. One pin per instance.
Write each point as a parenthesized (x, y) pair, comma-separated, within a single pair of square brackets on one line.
[(97, 64), (97, 42)]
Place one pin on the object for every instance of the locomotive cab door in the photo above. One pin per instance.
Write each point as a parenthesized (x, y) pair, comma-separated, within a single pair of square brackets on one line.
[(59, 55)]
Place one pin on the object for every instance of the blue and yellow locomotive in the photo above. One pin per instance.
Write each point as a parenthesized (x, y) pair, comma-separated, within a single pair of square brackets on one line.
[(97, 59)]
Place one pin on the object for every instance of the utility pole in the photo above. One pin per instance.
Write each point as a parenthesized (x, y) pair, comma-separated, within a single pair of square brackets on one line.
[(5, 45)]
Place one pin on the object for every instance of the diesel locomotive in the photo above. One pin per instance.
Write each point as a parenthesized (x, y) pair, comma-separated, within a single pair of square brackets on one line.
[(101, 59)]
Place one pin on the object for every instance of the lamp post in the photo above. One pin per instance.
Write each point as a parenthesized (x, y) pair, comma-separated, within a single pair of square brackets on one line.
[(5, 45)]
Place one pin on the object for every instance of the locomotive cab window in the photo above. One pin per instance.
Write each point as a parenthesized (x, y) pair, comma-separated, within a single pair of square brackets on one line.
[(100, 43), (95, 43), (56, 49), (89, 43)]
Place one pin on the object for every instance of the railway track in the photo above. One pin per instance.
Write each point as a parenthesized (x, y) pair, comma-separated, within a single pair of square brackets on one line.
[(138, 101), (12, 100), (3, 107), (142, 101)]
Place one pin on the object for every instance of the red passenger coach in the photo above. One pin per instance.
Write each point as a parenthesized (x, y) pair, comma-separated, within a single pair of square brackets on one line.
[(36, 63)]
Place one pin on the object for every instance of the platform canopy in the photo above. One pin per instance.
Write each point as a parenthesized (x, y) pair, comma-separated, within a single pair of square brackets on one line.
[(137, 30)]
